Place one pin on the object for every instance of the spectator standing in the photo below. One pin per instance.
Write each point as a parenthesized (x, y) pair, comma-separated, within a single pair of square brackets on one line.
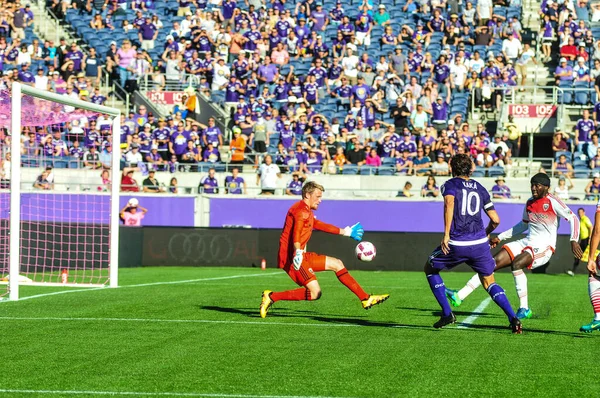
[(514, 136), (128, 183), (235, 184), (209, 183), (430, 189), (238, 146), (147, 34), (561, 191), (132, 214), (585, 231), (267, 175), (151, 184), (294, 187), (501, 190)]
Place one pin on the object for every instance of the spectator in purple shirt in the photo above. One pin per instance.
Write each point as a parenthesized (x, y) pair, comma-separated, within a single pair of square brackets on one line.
[(295, 186), (584, 129), (147, 33), (209, 183), (235, 184), (501, 190), (563, 72)]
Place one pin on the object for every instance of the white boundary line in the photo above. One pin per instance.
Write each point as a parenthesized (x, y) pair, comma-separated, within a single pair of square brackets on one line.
[(147, 284), (150, 394), (472, 318)]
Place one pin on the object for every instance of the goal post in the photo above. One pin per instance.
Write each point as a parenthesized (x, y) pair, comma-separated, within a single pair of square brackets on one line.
[(57, 232)]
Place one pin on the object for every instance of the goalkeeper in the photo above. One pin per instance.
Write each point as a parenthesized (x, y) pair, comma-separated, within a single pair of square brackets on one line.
[(301, 265)]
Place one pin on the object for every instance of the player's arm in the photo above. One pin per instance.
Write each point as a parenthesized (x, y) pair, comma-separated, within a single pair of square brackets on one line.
[(517, 229), (448, 214), (594, 241), (491, 212), (300, 227), (563, 211)]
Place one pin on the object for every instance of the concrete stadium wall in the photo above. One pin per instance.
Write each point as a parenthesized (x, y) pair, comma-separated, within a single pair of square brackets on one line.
[(337, 186), (201, 247)]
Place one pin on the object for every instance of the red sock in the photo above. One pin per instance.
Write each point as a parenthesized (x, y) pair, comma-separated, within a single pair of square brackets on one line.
[(351, 284), (292, 295)]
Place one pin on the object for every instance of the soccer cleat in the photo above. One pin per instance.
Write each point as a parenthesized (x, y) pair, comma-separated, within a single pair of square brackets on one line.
[(590, 327), (453, 298), (374, 299), (516, 326), (524, 313), (445, 321), (570, 273), (266, 303)]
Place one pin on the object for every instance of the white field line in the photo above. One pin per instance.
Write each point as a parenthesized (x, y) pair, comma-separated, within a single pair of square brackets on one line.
[(150, 394), (149, 284), (472, 318)]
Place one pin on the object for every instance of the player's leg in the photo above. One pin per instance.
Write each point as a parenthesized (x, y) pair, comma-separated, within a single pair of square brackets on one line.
[(336, 265), (502, 259), (309, 291), (481, 261), (437, 262), (520, 263), (499, 296), (438, 288), (594, 292)]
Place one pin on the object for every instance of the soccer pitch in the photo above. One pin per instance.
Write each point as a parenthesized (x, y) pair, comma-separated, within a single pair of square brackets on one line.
[(196, 332)]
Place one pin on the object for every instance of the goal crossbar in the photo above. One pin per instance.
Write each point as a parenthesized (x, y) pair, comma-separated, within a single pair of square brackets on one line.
[(18, 90)]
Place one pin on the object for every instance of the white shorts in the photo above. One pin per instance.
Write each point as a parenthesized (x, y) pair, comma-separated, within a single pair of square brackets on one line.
[(540, 253)]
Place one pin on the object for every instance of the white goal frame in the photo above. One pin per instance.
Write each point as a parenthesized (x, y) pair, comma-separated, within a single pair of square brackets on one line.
[(18, 90)]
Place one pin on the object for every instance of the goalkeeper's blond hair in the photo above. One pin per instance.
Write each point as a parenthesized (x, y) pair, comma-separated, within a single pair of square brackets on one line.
[(310, 187)]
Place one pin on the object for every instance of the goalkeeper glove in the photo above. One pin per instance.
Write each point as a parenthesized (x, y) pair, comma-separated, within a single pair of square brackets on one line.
[(355, 232), (298, 259)]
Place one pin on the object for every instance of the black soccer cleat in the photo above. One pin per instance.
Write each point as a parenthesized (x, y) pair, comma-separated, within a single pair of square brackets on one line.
[(515, 325), (445, 321)]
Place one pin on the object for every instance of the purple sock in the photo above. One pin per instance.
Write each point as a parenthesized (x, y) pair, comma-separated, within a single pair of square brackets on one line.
[(497, 294), (439, 291)]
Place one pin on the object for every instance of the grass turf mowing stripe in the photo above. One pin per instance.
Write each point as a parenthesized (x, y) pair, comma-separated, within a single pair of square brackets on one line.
[(148, 284), (151, 394), (476, 312)]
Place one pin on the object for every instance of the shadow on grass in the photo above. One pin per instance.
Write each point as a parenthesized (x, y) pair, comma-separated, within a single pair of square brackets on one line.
[(310, 315), (361, 321), (438, 313), (526, 330)]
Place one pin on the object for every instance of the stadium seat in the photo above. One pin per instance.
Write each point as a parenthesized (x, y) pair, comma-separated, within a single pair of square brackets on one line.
[(350, 169), (496, 171), (386, 170), (581, 172), (368, 170)]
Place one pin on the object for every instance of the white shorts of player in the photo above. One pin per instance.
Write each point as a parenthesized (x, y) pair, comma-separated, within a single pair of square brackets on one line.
[(541, 253)]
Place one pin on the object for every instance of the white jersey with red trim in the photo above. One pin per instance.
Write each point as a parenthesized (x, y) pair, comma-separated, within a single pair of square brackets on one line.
[(543, 217)]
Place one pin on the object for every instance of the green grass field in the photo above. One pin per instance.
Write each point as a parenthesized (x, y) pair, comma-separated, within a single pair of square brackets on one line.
[(201, 335)]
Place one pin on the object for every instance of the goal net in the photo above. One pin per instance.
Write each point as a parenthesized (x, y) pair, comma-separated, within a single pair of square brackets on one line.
[(58, 207)]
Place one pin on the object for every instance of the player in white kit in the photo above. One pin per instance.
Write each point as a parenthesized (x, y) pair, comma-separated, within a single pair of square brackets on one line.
[(541, 216)]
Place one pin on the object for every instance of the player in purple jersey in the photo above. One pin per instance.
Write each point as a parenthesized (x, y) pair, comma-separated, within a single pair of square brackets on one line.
[(466, 240)]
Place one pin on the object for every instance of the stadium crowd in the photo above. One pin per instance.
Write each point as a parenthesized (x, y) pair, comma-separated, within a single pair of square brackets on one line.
[(321, 87)]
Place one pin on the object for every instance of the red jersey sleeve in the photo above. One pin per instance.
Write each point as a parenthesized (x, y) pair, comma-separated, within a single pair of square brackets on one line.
[(330, 229), (302, 226)]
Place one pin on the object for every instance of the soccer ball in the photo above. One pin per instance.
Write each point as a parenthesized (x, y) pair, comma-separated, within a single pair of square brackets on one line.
[(133, 202), (365, 251)]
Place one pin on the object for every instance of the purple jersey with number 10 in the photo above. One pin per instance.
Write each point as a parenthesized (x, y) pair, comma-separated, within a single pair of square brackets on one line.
[(468, 240), (470, 198)]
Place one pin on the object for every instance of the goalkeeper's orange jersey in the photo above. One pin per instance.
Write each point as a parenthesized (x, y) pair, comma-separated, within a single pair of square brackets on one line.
[(299, 224)]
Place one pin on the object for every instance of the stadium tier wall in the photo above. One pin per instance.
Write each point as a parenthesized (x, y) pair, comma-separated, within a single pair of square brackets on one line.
[(239, 247)]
